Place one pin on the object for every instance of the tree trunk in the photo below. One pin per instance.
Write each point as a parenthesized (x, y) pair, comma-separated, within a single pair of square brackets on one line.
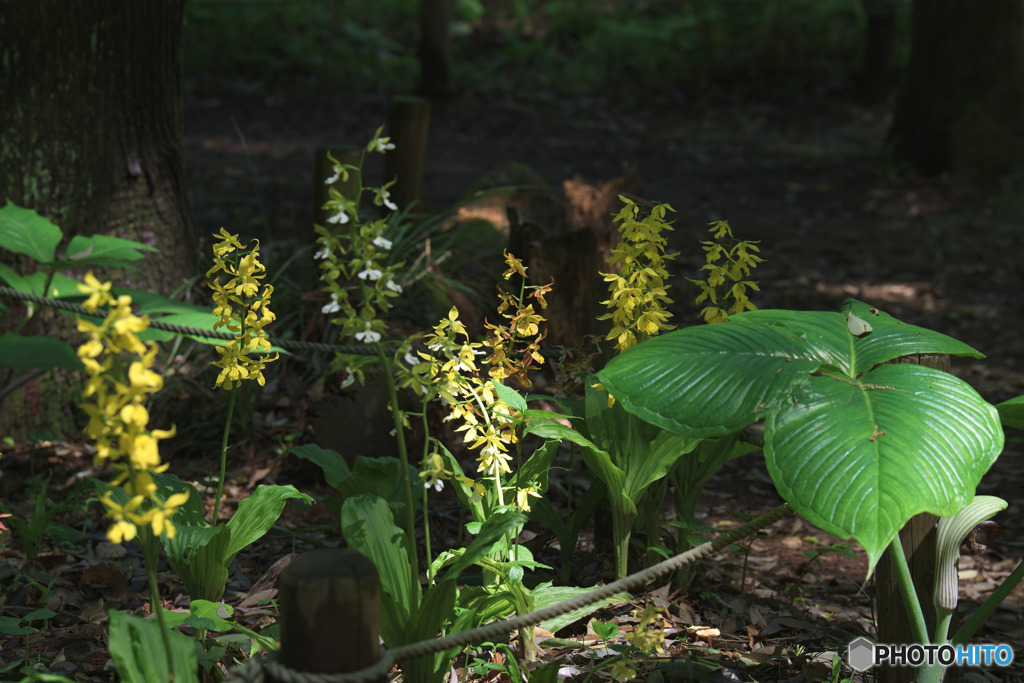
[(91, 124), (435, 49), (92, 138), (879, 38), (962, 106)]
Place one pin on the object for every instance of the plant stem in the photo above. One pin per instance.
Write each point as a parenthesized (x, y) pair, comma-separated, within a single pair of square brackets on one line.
[(906, 586), (150, 554), (223, 458), (396, 413)]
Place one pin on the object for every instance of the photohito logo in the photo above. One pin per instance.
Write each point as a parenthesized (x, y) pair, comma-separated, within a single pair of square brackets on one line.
[(862, 654)]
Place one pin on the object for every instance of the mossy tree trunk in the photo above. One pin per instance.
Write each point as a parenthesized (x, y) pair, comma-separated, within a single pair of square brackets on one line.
[(962, 106), (91, 123)]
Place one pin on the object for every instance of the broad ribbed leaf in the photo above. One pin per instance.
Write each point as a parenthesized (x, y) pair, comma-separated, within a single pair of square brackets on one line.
[(712, 380), (257, 513), (653, 463), (137, 648), (196, 554), (369, 527), (860, 458)]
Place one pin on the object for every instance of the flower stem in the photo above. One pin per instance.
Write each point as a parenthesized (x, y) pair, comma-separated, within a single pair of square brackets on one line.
[(906, 585), (396, 413), (223, 458), (150, 554)]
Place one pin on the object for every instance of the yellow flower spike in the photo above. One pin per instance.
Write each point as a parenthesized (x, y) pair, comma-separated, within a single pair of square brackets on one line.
[(227, 244), (99, 292)]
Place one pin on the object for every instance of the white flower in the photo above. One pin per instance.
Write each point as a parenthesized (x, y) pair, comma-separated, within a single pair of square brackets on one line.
[(340, 217), (324, 252), (382, 144), (381, 243), (349, 381), (333, 306), (394, 286), (369, 273), (368, 336), (437, 485), (411, 359), (333, 179), (385, 197)]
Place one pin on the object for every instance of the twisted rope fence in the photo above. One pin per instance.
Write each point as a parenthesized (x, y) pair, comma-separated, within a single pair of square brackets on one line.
[(270, 669), (286, 344)]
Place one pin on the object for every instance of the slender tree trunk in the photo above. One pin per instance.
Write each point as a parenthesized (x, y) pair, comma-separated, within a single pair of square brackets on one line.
[(91, 123), (435, 49), (962, 107)]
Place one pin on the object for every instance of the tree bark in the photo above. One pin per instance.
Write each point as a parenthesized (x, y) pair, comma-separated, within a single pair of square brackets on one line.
[(92, 127), (962, 106)]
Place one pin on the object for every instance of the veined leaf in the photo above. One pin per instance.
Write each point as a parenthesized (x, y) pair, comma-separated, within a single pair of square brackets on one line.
[(24, 231), (860, 458)]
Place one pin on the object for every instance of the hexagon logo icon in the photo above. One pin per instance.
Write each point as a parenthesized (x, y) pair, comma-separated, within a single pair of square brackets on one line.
[(860, 654)]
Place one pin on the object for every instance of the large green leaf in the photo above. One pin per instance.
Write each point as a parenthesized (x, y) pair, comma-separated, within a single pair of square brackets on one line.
[(369, 527), (24, 231), (20, 352), (336, 470), (1012, 412), (858, 458), (712, 380), (652, 463), (257, 513), (137, 648)]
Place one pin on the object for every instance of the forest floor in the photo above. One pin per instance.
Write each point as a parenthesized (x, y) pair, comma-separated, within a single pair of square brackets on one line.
[(804, 173)]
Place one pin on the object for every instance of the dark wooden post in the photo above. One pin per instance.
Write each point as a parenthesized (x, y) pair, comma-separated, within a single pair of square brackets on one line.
[(408, 124), (918, 538), (324, 169), (330, 613)]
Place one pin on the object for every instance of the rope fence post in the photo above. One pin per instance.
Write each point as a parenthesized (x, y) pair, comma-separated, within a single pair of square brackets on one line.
[(329, 603)]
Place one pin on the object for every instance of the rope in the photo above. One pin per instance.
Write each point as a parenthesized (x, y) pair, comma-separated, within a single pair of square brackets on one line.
[(248, 673), (286, 344)]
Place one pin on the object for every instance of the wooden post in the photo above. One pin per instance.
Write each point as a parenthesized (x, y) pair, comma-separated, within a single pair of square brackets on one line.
[(918, 539), (408, 124), (330, 613), (324, 169)]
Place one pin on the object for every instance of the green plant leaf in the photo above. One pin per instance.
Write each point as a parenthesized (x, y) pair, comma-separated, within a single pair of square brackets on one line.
[(436, 611), (510, 396), (197, 554), (11, 626), (257, 513), (333, 464), (860, 458), (137, 648), (545, 596), (1011, 412), (493, 531), (20, 352), (648, 465), (369, 527), (711, 380), (103, 250), (24, 231)]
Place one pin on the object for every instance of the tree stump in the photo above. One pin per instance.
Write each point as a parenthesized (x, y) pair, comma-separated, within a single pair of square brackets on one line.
[(330, 613), (918, 538), (408, 124)]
